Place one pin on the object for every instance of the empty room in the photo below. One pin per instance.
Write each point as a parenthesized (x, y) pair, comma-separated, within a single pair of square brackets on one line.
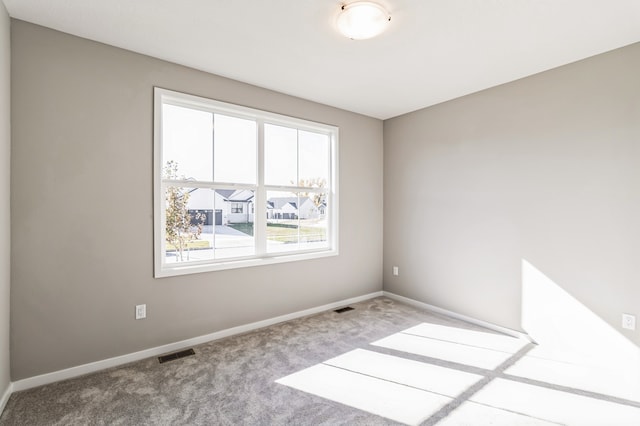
[(336, 212)]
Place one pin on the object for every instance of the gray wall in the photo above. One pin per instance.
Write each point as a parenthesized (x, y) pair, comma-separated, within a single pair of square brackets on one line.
[(82, 252), (5, 227), (544, 169)]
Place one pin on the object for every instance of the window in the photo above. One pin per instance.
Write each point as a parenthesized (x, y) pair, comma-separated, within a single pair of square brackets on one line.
[(236, 207), (237, 187)]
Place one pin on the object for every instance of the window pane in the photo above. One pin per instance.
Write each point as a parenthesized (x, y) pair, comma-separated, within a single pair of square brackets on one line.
[(282, 221), (313, 220), (186, 141), (233, 224), (207, 224), (296, 221), (281, 155), (313, 159), (234, 149), (188, 215)]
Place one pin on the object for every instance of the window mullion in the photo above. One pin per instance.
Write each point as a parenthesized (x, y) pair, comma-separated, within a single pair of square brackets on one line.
[(260, 209), (297, 189), (213, 147), (210, 185), (163, 223)]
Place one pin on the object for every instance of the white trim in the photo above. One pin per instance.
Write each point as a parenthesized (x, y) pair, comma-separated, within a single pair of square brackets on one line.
[(5, 397), (209, 185), (186, 100), (158, 196), (333, 195), (91, 367), (260, 256), (233, 263), (481, 323)]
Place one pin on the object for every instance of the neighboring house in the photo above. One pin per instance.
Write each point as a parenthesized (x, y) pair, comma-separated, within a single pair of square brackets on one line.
[(322, 208), (225, 206), (291, 208), (222, 206), (240, 206)]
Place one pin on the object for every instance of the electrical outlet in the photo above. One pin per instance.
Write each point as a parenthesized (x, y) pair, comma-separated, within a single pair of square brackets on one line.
[(141, 311), (629, 321), (396, 271)]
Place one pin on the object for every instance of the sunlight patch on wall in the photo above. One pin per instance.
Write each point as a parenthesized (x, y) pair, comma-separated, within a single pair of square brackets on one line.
[(575, 348)]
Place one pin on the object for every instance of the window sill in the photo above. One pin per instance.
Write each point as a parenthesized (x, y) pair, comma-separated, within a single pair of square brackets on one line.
[(162, 272)]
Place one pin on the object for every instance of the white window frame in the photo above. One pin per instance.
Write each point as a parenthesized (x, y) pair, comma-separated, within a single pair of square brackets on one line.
[(261, 257)]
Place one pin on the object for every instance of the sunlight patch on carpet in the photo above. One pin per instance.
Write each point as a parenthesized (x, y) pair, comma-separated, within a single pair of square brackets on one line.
[(471, 413), (554, 405), (480, 339), (417, 374), (454, 352), (391, 400), (399, 389)]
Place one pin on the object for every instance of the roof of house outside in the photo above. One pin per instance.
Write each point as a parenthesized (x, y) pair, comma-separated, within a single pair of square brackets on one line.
[(279, 202), (225, 192), (237, 195)]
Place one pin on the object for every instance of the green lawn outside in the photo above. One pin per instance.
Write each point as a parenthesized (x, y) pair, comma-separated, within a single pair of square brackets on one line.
[(247, 228), (286, 233), (193, 244)]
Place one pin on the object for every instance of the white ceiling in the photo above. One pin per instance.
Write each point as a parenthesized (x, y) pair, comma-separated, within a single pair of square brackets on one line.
[(434, 50)]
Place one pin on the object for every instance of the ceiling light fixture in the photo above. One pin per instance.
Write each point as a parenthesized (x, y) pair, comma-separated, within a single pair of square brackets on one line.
[(362, 19)]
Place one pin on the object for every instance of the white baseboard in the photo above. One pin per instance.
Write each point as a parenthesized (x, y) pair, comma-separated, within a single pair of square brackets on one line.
[(5, 397), (92, 367), (432, 308), (80, 370)]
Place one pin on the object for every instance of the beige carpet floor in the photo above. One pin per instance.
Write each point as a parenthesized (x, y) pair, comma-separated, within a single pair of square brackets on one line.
[(382, 363)]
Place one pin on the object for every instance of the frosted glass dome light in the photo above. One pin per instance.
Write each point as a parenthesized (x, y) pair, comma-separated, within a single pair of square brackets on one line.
[(362, 19)]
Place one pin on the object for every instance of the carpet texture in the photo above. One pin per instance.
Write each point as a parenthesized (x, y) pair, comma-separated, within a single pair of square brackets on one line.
[(232, 381), (228, 382)]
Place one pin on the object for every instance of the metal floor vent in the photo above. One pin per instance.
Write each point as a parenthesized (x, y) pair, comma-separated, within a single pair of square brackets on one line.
[(176, 355), (345, 309)]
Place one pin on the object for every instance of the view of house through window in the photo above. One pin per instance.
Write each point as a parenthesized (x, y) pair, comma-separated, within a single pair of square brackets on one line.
[(239, 187)]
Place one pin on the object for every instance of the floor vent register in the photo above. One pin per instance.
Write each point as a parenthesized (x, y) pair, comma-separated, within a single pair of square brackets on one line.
[(176, 355)]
